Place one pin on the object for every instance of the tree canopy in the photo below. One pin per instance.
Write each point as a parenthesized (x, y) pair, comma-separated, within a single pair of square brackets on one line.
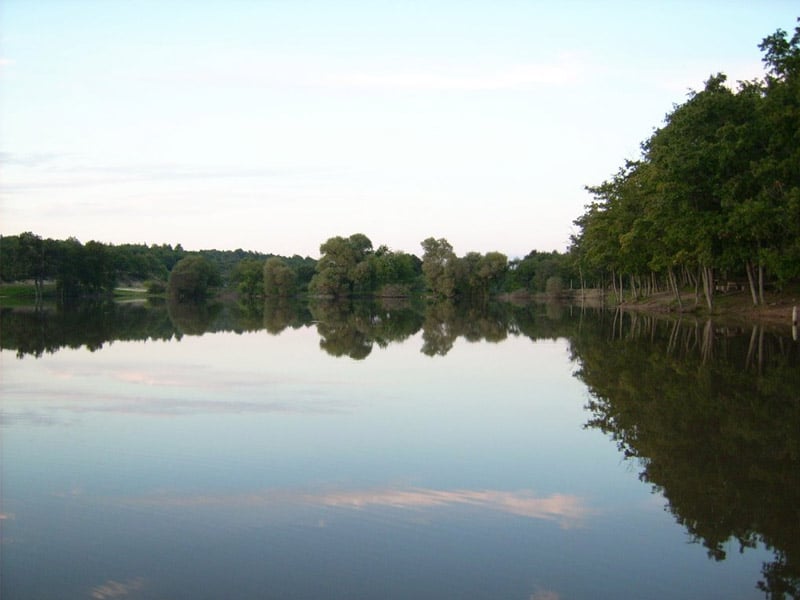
[(715, 193)]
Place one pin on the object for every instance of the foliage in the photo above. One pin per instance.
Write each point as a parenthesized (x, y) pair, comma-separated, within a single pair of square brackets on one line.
[(439, 266), (715, 194), (93, 268), (350, 266), (191, 279), (248, 278), (278, 278)]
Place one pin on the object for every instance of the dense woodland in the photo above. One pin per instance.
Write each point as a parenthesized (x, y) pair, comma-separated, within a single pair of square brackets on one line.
[(714, 197), (713, 202)]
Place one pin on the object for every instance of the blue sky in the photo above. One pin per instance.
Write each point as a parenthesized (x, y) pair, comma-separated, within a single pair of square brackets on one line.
[(274, 125)]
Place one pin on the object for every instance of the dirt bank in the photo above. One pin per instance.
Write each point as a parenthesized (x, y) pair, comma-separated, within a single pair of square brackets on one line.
[(738, 306)]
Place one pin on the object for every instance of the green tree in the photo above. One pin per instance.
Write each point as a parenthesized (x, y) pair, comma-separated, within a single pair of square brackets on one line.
[(394, 273), (438, 262), (279, 279), (31, 261), (339, 271), (97, 272), (191, 279), (248, 276)]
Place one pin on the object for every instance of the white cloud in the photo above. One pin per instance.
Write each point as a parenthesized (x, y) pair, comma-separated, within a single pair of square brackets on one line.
[(563, 72)]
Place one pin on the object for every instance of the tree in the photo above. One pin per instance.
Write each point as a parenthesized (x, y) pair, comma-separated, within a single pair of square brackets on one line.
[(191, 278), (438, 262), (340, 271), (716, 191), (248, 276), (97, 272), (279, 279), (31, 261), (394, 273)]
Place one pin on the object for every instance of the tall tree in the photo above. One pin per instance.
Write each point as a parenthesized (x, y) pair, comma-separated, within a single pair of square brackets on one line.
[(438, 263), (279, 279)]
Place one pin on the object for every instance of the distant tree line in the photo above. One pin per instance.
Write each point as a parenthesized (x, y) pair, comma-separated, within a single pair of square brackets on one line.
[(714, 197), (352, 267), (96, 268), (347, 267)]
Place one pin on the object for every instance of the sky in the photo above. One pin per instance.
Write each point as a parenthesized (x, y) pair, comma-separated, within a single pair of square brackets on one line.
[(274, 125)]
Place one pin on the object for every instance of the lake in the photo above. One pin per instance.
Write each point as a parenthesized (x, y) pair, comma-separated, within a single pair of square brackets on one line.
[(403, 451)]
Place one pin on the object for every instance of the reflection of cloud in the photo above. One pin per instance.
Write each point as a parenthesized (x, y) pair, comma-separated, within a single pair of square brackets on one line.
[(544, 595), (28, 417), (167, 392), (117, 589), (170, 407), (568, 511)]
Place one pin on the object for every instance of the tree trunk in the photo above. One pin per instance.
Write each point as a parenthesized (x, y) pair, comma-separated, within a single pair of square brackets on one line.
[(614, 285), (760, 281), (673, 283), (697, 288), (708, 286), (751, 280)]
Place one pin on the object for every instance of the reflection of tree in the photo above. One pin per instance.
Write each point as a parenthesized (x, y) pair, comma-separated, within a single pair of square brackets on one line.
[(351, 328), (192, 318), (719, 438), (343, 332), (438, 335), (280, 313), (446, 321), (89, 324)]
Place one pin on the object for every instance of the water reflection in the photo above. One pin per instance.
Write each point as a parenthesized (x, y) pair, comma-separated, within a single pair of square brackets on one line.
[(346, 329), (117, 589), (708, 413), (351, 329), (569, 511), (711, 414)]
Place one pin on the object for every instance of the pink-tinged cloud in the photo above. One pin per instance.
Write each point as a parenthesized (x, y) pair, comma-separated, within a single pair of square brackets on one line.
[(567, 510)]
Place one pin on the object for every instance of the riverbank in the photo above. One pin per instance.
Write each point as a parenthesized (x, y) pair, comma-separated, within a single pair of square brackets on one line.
[(730, 306), (738, 306)]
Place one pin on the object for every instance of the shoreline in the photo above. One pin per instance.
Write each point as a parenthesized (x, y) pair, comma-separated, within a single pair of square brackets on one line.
[(777, 309)]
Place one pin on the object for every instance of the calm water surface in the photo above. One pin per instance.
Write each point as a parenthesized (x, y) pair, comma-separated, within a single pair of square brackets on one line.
[(275, 465)]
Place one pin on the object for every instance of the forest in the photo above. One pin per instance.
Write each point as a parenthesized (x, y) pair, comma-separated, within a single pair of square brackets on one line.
[(713, 201), (712, 204)]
